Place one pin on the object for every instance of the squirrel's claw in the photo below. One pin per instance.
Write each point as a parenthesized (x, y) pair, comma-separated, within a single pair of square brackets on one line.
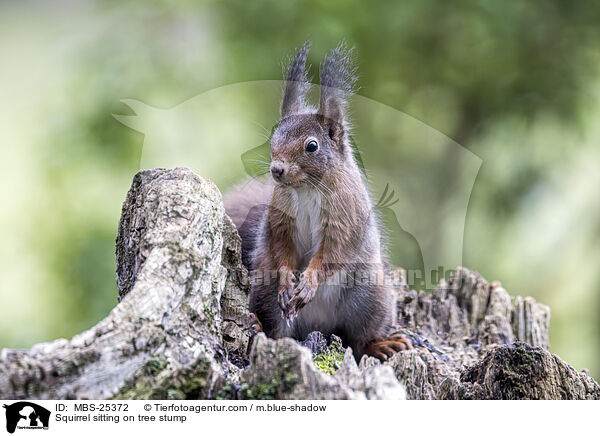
[(385, 348), (292, 299), (303, 294), (285, 289), (284, 297)]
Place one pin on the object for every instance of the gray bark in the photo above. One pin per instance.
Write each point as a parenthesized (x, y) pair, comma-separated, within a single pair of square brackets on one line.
[(182, 329)]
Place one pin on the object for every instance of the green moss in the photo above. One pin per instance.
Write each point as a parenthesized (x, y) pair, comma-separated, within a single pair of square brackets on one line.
[(290, 378), (227, 392), (330, 360), (154, 367), (276, 383), (156, 380), (209, 315), (263, 391), (281, 381)]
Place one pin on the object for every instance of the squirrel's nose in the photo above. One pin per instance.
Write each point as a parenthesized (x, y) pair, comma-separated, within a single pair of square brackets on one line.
[(277, 170)]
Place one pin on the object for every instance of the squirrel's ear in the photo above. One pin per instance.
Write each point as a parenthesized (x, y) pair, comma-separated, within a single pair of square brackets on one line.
[(296, 83), (337, 85)]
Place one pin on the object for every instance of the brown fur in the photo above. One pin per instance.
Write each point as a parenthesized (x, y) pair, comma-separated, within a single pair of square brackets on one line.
[(316, 226)]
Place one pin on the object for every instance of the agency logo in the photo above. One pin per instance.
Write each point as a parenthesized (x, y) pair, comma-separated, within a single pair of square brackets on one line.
[(423, 178), (26, 415)]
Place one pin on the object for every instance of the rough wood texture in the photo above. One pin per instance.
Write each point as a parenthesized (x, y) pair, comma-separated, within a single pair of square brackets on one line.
[(182, 329), (479, 343), (164, 339)]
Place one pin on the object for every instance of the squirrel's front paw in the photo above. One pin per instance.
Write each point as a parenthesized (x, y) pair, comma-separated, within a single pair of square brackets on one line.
[(284, 296), (285, 290), (303, 293)]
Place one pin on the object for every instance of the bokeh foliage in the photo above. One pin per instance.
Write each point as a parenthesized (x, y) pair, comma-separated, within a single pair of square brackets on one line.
[(514, 82)]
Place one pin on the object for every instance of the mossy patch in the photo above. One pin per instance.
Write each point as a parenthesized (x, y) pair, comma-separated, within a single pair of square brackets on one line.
[(262, 391), (281, 379), (156, 380), (209, 315), (329, 360)]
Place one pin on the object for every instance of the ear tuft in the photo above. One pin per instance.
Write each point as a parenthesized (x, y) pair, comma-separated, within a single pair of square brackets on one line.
[(338, 80), (296, 83)]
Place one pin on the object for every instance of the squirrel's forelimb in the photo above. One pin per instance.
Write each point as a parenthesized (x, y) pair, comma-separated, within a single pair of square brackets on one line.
[(319, 220)]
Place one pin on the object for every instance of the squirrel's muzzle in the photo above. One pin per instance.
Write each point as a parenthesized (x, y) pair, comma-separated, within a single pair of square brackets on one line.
[(278, 169)]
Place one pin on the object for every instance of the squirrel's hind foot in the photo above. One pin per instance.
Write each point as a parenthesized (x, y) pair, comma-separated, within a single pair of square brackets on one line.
[(385, 348)]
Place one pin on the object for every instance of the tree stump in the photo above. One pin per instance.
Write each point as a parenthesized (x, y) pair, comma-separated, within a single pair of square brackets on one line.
[(181, 329)]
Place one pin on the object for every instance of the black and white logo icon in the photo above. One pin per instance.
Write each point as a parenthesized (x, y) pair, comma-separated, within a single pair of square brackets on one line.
[(26, 415)]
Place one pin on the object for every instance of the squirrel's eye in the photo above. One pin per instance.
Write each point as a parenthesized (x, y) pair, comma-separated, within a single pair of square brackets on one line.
[(312, 146)]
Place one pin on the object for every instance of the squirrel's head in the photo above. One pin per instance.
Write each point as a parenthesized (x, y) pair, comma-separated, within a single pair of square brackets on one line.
[(310, 143)]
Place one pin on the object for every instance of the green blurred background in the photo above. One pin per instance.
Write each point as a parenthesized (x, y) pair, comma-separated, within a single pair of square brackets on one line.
[(516, 83)]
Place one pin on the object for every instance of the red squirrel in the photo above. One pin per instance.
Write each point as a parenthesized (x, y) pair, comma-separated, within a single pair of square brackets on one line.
[(311, 235)]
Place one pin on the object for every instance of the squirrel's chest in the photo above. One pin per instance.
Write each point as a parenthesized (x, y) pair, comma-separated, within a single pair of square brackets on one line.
[(307, 229)]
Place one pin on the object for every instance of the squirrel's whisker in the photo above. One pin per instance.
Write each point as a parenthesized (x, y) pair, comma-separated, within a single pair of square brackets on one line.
[(334, 223)]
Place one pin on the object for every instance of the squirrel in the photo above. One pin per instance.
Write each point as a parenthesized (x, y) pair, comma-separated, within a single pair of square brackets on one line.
[(310, 235)]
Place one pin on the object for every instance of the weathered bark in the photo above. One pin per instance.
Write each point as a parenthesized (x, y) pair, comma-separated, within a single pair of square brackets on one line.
[(182, 328), (481, 344), (164, 339)]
